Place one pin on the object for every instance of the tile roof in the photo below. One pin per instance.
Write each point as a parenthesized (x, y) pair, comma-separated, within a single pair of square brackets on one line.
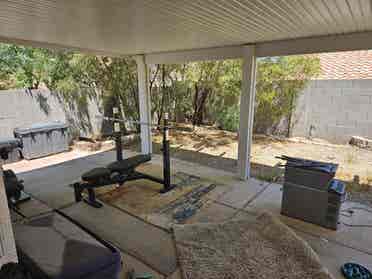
[(346, 65)]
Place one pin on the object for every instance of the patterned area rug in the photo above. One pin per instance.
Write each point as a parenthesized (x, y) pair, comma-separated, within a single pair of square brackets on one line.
[(262, 248), (143, 198)]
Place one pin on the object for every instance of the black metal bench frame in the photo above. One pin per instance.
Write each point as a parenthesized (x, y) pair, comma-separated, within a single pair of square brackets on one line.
[(13, 186), (120, 177)]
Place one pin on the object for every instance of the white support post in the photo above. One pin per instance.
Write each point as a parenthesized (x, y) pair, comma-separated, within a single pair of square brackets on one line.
[(144, 104), (7, 244), (247, 100)]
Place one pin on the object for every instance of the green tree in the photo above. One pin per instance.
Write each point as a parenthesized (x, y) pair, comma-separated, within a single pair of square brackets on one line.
[(203, 92), (74, 78), (106, 80), (203, 77), (24, 67), (225, 105), (163, 89), (279, 81)]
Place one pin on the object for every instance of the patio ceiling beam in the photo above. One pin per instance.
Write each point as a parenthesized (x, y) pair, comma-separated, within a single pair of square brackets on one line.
[(179, 57), (330, 43), (53, 46)]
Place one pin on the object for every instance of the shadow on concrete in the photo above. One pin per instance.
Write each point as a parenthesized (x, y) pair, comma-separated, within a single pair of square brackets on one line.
[(358, 192), (260, 171)]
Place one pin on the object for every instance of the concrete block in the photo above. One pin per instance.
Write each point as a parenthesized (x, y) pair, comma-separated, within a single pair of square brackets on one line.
[(346, 123), (340, 134), (366, 92), (369, 116), (358, 99), (366, 128), (334, 84), (345, 105), (312, 84), (359, 114), (361, 83), (319, 131)]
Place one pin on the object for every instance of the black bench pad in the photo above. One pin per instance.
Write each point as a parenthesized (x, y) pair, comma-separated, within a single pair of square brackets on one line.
[(128, 164), (96, 174)]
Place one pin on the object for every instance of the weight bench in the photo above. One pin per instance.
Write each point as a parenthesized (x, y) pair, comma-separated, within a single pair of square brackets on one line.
[(123, 169), (13, 186), (117, 172)]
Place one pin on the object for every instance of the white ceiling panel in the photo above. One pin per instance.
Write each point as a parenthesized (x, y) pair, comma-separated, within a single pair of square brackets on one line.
[(148, 26)]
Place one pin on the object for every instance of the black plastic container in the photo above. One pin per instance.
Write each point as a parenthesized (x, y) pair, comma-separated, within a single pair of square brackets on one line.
[(321, 207), (309, 173)]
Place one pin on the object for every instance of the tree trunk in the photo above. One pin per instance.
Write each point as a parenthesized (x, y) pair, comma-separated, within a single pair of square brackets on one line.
[(195, 104), (162, 95), (200, 100), (290, 115)]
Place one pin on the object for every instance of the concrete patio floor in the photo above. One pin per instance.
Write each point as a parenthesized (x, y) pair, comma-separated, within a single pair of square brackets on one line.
[(149, 247)]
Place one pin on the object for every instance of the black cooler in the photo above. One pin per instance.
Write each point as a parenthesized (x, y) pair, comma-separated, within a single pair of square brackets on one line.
[(311, 193)]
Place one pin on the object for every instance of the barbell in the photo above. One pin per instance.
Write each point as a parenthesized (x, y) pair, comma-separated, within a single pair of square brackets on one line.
[(115, 119)]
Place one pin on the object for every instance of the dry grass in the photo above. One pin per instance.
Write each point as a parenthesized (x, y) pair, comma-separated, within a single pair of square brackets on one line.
[(352, 161)]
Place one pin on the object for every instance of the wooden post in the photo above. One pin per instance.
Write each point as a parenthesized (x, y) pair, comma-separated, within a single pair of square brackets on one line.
[(247, 100)]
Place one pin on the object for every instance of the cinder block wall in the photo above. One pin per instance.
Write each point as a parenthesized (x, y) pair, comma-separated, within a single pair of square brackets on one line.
[(19, 108), (334, 110)]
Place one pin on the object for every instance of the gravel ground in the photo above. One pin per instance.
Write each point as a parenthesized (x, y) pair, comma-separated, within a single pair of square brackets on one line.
[(218, 148)]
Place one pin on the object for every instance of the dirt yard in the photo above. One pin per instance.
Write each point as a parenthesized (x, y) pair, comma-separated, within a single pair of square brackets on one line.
[(355, 164)]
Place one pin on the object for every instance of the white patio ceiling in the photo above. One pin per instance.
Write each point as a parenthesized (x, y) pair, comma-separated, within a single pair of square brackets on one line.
[(149, 26)]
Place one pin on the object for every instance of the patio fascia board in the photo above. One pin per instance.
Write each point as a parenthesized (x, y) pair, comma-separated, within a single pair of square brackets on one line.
[(330, 43), (56, 46), (174, 57)]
